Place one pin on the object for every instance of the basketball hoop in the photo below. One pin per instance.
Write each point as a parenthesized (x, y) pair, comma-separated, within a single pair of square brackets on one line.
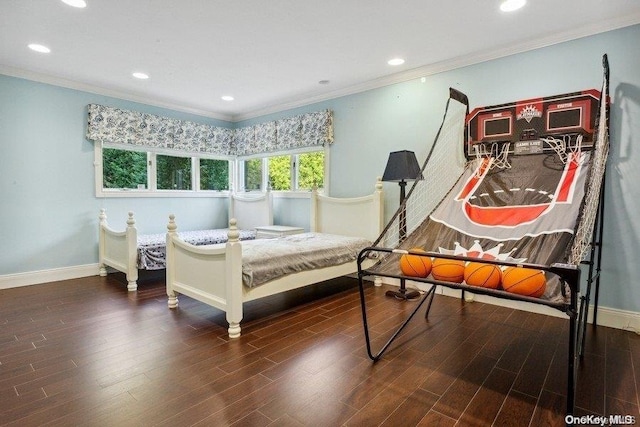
[(563, 147), (497, 154)]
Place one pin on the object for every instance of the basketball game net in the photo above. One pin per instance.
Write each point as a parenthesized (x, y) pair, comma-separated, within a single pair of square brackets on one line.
[(584, 234), (443, 167)]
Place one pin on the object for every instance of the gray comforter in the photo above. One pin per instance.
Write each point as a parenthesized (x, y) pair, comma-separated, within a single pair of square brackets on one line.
[(267, 259)]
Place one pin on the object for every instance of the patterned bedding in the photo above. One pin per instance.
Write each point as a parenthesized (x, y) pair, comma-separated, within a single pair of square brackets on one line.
[(152, 251), (267, 259)]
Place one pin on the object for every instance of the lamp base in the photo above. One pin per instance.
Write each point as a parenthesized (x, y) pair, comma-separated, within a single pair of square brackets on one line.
[(403, 294)]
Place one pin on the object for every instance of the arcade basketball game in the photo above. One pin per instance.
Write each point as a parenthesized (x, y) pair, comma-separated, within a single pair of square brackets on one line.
[(510, 206)]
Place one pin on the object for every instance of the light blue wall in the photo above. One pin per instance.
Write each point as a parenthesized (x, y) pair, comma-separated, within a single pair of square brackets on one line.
[(407, 115), (47, 206), (49, 209)]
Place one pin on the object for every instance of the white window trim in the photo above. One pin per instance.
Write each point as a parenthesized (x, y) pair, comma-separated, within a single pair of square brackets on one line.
[(239, 177), (152, 191)]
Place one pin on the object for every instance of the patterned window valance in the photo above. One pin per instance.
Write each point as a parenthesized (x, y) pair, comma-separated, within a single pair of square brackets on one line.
[(116, 126)]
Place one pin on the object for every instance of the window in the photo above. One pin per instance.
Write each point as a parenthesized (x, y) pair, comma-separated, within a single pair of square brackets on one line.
[(280, 173), (120, 171), (288, 172), (124, 169), (214, 174), (174, 173), (252, 174), (310, 170)]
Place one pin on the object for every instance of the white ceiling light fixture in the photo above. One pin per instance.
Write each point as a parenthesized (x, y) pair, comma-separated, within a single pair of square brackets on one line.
[(512, 5), (227, 98), (75, 3), (395, 61), (139, 75), (39, 48)]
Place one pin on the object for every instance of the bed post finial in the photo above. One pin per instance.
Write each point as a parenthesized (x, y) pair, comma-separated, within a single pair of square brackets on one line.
[(379, 183), (172, 227), (233, 233), (130, 221), (103, 216)]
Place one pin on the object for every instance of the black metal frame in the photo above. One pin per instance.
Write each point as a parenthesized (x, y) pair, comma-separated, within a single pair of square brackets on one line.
[(568, 274)]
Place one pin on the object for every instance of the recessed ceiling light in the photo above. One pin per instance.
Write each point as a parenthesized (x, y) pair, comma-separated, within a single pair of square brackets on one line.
[(141, 76), (39, 48), (75, 3), (227, 98), (511, 5), (395, 61)]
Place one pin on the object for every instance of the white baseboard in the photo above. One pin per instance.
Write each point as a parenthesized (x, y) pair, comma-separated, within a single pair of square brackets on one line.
[(610, 317), (43, 276)]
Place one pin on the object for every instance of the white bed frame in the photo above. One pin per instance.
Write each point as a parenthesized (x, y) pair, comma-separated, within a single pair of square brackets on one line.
[(119, 249), (213, 274)]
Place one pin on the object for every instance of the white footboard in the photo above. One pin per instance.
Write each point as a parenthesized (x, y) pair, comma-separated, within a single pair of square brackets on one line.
[(211, 274), (118, 249)]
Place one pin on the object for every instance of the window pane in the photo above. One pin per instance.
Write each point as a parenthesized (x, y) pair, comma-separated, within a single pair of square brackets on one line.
[(174, 173), (252, 174), (280, 172), (311, 170), (214, 174), (123, 169)]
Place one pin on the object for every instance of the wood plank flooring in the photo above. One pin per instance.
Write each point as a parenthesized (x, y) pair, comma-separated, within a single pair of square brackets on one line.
[(86, 352)]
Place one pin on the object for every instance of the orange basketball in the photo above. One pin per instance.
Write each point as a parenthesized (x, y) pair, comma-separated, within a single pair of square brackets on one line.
[(415, 265), (448, 270), (524, 281), (483, 275)]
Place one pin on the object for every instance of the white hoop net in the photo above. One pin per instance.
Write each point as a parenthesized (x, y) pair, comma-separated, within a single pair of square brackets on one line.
[(498, 155), (563, 146)]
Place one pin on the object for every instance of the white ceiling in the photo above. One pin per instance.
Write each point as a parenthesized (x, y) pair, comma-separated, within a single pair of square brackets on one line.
[(271, 54)]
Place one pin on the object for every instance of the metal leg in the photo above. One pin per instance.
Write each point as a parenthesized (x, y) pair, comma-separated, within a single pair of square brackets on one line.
[(375, 357), (431, 291), (571, 361)]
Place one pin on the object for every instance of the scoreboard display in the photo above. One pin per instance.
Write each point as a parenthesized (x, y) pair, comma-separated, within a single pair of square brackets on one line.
[(524, 123)]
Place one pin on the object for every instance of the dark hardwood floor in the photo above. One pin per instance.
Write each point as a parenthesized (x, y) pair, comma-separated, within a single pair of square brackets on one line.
[(86, 352)]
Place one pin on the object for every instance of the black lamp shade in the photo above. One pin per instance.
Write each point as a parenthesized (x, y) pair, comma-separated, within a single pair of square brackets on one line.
[(402, 166)]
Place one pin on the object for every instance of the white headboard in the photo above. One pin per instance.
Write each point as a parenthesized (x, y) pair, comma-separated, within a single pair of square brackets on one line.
[(251, 210), (356, 217)]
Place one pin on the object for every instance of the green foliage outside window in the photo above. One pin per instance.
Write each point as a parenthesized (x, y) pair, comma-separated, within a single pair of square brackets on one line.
[(174, 173), (214, 174), (311, 170), (252, 174), (123, 169), (280, 173)]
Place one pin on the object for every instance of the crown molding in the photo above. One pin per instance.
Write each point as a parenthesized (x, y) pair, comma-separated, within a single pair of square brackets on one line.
[(415, 73), (98, 90)]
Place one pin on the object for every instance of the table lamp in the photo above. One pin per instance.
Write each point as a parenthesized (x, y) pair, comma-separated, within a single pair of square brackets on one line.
[(402, 166)]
